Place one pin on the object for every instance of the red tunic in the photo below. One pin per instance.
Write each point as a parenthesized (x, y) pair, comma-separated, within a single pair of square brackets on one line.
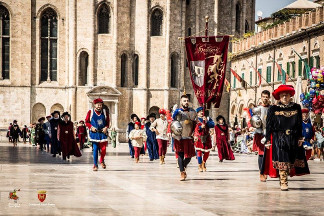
[(199, 144), (257, 142), (65, 135), (224, 148)]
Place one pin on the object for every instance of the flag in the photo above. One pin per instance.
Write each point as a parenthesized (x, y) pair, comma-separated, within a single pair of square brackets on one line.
[(282, 72), (227, 85), (307, 68), (236, 75), (259, 74), (240, 79), (207, 65)]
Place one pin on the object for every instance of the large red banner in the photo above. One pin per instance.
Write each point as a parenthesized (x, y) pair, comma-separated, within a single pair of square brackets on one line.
[(207, 64)]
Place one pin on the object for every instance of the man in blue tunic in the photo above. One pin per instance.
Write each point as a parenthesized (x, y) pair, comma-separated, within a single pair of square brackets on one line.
[(97, 121), (151, 142)]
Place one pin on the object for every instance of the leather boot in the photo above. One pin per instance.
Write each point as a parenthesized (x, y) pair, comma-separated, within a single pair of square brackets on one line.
[(200, 167), (163, 157), (183, 176), (262, 178), (95, 168), (283, 180), (136, 160), (161, 160), (103, 165), (204, 166)]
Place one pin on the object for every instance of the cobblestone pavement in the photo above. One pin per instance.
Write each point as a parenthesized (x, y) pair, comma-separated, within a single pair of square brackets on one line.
[(147, 188)]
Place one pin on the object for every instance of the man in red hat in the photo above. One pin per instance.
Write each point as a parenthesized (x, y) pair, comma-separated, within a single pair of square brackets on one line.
[(97, 121), (284, 135), (82, 133), (160, 127)]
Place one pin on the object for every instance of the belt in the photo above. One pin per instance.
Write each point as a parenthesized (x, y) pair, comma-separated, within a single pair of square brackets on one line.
[(287, 132)]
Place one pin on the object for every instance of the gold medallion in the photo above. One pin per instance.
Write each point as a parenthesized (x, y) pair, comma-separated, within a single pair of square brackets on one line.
[(187, 122)]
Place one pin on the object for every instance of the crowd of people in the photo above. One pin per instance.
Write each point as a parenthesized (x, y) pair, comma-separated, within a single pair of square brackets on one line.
[(191, 133), (282, 135)]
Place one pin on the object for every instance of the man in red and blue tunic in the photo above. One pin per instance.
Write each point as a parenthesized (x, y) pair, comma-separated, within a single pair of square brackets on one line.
[(97, 121)]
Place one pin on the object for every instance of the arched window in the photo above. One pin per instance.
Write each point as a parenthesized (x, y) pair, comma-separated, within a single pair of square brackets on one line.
[(174, 70), (135, 69), (83, 68), (5, 43), (237, 18), (49, 45), (156, 22), (123, 74), (103, 19), (247, 27)]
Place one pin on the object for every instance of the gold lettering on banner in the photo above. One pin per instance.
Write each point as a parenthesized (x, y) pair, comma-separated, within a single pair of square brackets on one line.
[(286, 113)]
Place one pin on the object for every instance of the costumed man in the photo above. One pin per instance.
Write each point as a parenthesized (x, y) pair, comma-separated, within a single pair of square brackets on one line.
[(259, 121), (40, 133), (284, 135), (24, 133), (8, 133), (14, 133), (82, 133), (66, 136), (98, 122), (222, 137), (151, 142), (143, 122), (47, 129), (55, 144), (183, 142), (308, 133), (202, 138), (160, 127), (130, 127), (138, 137)]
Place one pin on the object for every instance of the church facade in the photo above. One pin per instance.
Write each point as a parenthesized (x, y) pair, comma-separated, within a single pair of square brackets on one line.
[(61, 54)]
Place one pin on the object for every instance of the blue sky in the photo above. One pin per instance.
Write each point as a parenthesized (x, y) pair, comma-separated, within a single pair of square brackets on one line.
[(269, 6)]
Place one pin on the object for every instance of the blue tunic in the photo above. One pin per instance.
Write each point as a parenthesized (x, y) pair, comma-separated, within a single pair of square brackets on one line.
[(98, 122), (307, 132)]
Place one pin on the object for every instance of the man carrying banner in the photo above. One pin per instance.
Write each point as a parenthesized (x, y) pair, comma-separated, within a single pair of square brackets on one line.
[(184, 144)]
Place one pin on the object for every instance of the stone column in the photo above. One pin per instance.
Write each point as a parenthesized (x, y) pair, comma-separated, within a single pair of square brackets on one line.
[(92, 50), (115, 122), (115, 43), (167, 70), (72, 56), (142, 41)]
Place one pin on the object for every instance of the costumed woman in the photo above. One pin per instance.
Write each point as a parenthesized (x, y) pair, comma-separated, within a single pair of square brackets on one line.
[(202, 138), (66, 136), (222, 136), (284, 136)]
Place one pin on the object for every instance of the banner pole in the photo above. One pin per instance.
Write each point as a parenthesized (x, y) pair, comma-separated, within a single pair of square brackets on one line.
[(206, 36)]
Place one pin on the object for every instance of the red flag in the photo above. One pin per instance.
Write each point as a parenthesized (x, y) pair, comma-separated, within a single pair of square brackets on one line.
[(207, 65), (236, 75), (259, 74)]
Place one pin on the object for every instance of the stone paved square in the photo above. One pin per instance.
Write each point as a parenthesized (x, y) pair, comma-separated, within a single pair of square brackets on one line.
[(147, 188)]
